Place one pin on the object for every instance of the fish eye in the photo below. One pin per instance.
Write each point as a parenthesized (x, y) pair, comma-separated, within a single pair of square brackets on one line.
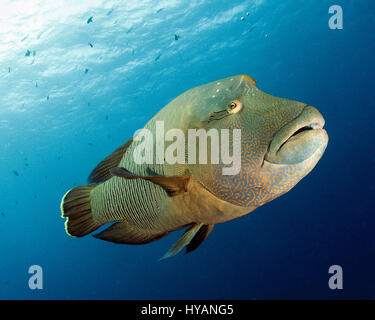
[(235, 106)]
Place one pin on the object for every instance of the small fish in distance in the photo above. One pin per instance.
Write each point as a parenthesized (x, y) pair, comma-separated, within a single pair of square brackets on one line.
[(157, 57)]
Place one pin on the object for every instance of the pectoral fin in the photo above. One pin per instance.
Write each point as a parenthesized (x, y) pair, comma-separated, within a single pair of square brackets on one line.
[(183, 241), (172, 185), (199, 237)]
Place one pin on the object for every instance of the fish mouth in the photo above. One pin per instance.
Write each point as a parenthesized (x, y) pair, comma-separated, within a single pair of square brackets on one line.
[(299, 139)]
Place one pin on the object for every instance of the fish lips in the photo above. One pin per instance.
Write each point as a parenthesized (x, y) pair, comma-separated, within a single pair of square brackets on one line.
[(299, 139)]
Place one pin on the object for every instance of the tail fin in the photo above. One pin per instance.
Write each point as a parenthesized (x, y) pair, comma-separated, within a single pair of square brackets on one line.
[(76, 207)]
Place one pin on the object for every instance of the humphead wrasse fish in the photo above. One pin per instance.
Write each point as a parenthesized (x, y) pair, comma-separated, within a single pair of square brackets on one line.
[(280, 142)]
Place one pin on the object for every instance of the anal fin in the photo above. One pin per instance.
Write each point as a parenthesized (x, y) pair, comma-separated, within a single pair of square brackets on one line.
[(122, 232)]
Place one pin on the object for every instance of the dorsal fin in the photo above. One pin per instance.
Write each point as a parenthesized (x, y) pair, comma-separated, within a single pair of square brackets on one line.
[(173, 186), (199, 237), (101, 172)]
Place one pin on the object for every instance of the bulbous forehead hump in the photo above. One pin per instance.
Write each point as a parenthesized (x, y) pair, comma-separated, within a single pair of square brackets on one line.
[(231, 84), (217, 94)]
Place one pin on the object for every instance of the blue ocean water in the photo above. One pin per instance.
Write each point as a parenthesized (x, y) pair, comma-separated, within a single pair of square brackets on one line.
[(72, 89)]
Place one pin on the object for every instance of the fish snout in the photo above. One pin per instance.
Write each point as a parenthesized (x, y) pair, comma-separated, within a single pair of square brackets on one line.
[(300, 139)]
